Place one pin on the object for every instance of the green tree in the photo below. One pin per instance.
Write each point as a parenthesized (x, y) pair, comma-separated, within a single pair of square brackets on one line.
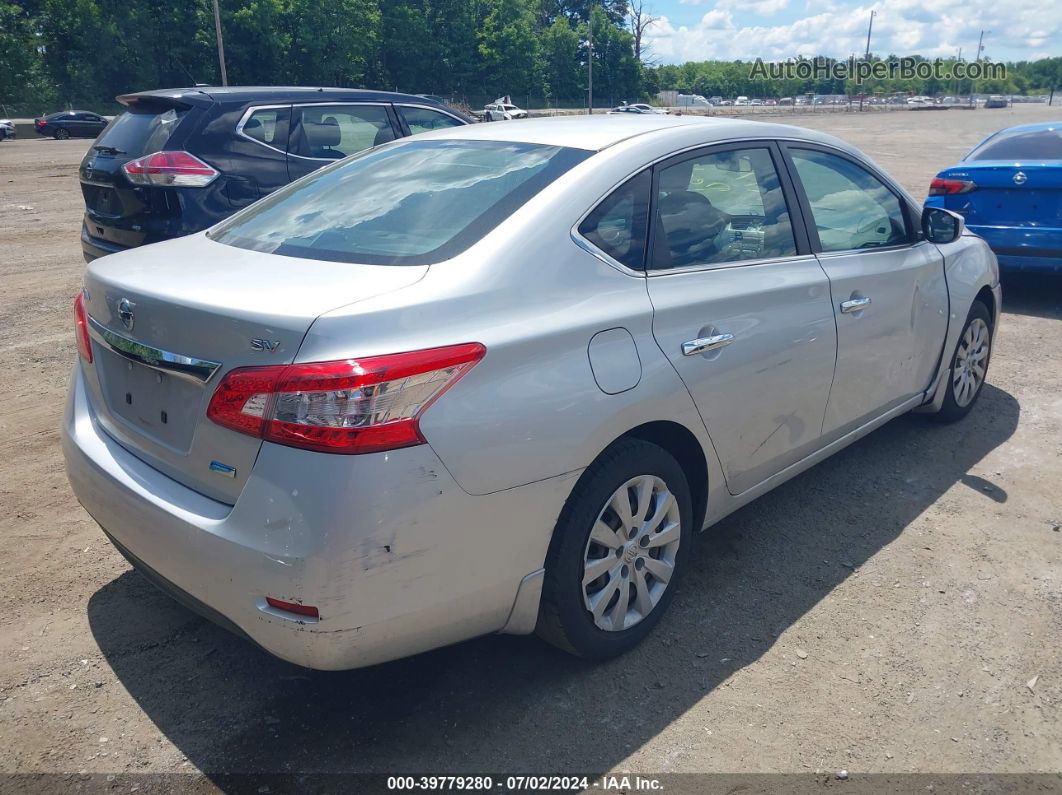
[(22, 79), (508, 48), (333, 42)]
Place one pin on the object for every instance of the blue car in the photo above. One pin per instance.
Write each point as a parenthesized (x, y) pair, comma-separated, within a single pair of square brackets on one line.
[(1009, 190)]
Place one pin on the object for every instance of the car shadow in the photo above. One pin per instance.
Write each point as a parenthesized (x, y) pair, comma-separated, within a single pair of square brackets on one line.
[(1035, 294), (511, 704)]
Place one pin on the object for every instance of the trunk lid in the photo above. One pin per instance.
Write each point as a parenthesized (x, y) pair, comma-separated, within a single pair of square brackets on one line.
[(1009, 194), (223, 306)]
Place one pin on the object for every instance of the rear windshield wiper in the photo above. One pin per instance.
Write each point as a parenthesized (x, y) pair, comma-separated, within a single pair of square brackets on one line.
[(110, 150)]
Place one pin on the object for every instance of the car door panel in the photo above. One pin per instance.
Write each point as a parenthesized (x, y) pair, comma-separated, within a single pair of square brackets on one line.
[(740, 307), (890, 296), (888, 351), (762, 395)]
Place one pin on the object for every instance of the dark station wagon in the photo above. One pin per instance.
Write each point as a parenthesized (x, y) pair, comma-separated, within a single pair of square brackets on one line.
[(178, 161)]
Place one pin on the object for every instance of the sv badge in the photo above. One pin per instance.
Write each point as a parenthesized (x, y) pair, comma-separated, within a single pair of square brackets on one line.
[(258, 344)]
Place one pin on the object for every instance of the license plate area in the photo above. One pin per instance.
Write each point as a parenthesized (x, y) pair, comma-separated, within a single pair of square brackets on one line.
[(159, 405), (1023, 207)]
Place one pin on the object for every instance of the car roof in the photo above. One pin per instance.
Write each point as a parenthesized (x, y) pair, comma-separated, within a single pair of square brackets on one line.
[(600, 132), (244, 94)]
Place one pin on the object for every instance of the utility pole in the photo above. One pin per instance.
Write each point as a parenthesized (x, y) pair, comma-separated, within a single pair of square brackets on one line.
[(980, 49), (589, 63), (221, 44), (866, 57)]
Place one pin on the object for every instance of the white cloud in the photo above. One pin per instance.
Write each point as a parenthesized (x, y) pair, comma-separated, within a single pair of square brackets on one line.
[(901, 27), (761, 7)]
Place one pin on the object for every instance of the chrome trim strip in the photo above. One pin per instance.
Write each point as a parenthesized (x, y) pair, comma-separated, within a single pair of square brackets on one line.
[(590, 248), (293, 106), (594, 251), (188, 367), (250, 112)]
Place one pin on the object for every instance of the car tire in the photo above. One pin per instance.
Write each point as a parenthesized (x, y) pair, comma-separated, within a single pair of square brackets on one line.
[(61, 134), (969, 365), (627, 470)]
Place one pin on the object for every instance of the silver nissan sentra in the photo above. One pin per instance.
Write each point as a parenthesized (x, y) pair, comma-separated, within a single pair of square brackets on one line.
[(492, 379)]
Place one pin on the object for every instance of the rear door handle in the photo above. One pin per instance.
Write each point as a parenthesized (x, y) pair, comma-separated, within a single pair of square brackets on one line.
[(854, 305), (705, 344)]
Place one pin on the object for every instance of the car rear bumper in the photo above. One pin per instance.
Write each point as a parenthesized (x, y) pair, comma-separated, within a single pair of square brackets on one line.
[(396, 557), (94, 248), (1024, 248)]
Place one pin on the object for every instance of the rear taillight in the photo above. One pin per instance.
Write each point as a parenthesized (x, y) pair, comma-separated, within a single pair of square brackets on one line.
[(84, 346), (170, 169), (348, 406), (944, 186)]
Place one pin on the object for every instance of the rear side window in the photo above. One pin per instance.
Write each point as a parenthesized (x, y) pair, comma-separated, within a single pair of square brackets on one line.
[(139, 132), (619, 225), (852, 209), (417, 203), (268, 126), (331, 132), (1027, 145), (424, 119)]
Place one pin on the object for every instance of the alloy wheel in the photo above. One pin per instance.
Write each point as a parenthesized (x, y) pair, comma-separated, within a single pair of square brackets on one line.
[(971, 362)]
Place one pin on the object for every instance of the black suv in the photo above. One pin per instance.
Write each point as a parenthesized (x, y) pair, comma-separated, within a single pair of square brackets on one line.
[(70, 124), (180, 160)]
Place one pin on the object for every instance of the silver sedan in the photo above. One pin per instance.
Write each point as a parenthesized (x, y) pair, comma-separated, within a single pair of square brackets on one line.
[(493, 379)]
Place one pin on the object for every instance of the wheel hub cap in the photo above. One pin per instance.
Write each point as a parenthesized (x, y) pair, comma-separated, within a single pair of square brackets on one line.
[(971, 362), (630, 555)]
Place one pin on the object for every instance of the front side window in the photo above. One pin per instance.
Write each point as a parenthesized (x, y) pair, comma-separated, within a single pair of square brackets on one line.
[(416, 203), (331, 132), (269, 126), (851, 208), (619, 224), (721, 207), (425, 119)]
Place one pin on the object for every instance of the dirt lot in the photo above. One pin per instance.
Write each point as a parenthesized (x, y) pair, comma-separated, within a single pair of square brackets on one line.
[(897, 608)]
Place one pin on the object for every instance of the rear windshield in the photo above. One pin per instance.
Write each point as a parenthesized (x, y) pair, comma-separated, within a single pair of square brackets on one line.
[(1028, 145), (413, 203), (141, 132)]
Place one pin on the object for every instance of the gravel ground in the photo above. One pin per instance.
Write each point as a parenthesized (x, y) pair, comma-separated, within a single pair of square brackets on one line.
[(897, 608)]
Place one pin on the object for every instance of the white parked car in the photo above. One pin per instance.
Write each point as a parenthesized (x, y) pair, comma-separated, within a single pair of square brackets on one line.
[(496, 112), (505, 105)]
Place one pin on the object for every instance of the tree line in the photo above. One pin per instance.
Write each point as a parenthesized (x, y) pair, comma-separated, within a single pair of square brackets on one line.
[(61, 53)]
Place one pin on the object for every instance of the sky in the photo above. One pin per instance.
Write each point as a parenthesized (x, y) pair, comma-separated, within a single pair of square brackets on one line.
[(699, 30)]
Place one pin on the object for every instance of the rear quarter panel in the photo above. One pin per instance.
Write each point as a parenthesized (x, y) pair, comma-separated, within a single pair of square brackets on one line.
[(531, 409)]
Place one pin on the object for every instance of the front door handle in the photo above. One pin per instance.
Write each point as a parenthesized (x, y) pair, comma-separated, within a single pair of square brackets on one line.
[(705, 344), (854, 305)]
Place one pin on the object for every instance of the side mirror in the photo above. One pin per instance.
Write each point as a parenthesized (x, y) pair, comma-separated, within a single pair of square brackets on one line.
[(941, 226)]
